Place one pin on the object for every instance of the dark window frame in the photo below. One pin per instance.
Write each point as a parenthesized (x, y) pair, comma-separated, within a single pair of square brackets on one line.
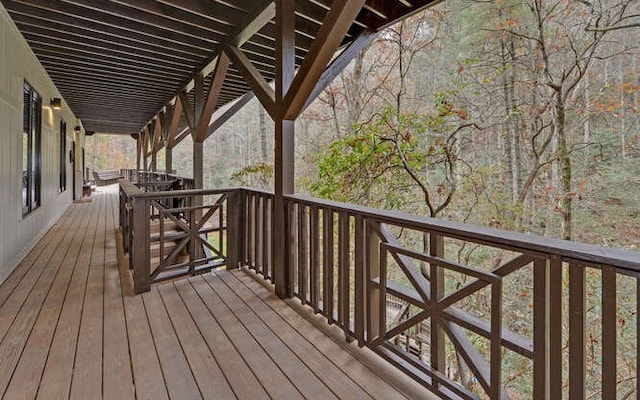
[(63, 156), (31, 149)]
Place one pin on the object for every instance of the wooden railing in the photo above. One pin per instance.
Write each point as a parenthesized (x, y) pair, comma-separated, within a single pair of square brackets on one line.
[(483, 312), (176, 233), (157, 181), (470, 312)]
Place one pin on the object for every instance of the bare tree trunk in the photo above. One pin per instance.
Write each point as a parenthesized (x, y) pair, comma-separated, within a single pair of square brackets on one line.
[(263, 134), (623, 114), (587, 119), (564, 161)]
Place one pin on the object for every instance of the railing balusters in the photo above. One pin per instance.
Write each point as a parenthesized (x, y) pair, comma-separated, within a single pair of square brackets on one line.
[(257, 243), (609, 332), (359, 276), (266, 243), (436, 279), (576, 331), (291, 248), (314, 257), (251, 231), (555, 328), (343, 271), (541, 311), (373, 292), (496, 339), (303, 255), (328, 264)]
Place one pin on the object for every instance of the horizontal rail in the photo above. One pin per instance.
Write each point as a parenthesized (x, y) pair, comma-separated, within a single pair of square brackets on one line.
[(529, 243)]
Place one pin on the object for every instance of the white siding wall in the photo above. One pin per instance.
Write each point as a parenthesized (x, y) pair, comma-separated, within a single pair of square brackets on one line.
[(19, 234)]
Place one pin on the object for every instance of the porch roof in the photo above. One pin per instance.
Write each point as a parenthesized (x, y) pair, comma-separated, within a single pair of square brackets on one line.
[(117, 63)]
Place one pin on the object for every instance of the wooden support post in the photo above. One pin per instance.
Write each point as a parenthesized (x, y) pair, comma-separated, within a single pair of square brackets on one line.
[(236, 228), (168, 159), (139, 141), (145, 148), (140, 245), (284, 144), (154, 160), (284, 177), (198, 155)]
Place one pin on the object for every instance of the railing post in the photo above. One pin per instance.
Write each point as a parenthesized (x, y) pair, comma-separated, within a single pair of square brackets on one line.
[(436, 279), (577, 366), (547, 328), (372, 264), (140, 245), (235, 227), (360, 284)]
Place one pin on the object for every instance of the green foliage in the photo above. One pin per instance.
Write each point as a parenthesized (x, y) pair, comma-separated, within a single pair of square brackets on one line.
[(380, 162), (259, 174)]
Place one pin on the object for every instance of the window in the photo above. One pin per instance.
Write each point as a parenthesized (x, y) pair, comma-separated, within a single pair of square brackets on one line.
[(32, 127), (63, 156)]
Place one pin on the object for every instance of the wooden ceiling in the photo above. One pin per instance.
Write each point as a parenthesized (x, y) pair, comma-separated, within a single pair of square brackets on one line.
[(118, 63)]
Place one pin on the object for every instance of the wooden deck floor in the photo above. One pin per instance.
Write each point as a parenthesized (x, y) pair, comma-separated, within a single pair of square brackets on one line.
[(70, 328)]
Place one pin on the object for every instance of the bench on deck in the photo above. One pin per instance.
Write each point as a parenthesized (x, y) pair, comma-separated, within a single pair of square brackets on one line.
[(107, 177)]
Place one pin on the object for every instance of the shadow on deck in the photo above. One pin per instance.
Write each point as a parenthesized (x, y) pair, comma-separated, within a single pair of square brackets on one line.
[(70, 327)]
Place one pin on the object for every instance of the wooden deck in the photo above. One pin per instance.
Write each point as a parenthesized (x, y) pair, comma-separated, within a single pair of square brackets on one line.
[(70, 328)]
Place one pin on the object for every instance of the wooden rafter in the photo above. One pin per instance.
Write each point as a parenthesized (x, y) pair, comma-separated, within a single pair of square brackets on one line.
[(334, 27), (157, 134), (212, 96), (174, 114), (223, 116), (256, 81), (188, 110), (339, 64)]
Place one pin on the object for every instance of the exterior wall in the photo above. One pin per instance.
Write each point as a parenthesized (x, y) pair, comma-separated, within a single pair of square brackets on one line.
[(18, 233)]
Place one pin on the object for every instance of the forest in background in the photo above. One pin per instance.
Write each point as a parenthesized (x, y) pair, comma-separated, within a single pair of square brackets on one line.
[(521, 115)]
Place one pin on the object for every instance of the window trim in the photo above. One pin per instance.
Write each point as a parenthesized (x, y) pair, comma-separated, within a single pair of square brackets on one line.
[(63, 157), (32, 133)]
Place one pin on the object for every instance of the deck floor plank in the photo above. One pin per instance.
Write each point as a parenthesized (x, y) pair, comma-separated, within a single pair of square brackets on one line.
[(205, 369), (291, 365), (243, 381), (180, 381), (267, 371), (18, 290), (70, 327), (147, 374), (31, 296), (14, 279), (87, 376), (117, 377), (358, 364), (339, 382), (58, 372), (37, 349)]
